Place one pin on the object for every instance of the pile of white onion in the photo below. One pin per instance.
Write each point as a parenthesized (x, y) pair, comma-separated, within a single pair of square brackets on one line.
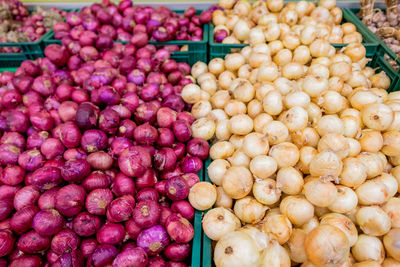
[(243, 22), (305, 154)]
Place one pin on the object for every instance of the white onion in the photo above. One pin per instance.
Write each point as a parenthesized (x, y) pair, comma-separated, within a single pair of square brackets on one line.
[(237, 182), (305, 137), (217, 169), (278, 225), (241, 124), (289, 181), (295, 119), (255, 144), (354, 173), (307, 153), (260, 238), (216, 66), (295, 245), (272, 103), (274, 256), (203, 128), (326, 164), (293, 71), (254, 108), (302, 54), (310, 225), (220, 99), (202, 195), (236, 249), (314, 86), (346, 200), (372, 192), (267, 72), (201, 109), (241, 30), (237, 141), (235, 107), (333, 102), (377, 116), (368, 248), (392, 208), (391, 241), (263, 166), (199, 68), (222, 131), (260, 121), (223, 200), (249, 210), (343, 223), (239, 158), (298, 209), (283, 57), (266, 192), (329, 124), (320, 253), (276, 131), (221, 150), (191, 93), (373, 220), (285, 154), (244, 71), (372, 162), (320, 193)]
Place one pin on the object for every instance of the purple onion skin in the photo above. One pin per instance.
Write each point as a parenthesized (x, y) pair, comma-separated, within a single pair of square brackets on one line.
[(88, 246), (146, 213), (191, 164), (184, 208), (177, 188), (179, 229), (131, 257), (48, 222), (75, 170), (32, 242), (104, 255), (65, 241), (153, 240), (121, 209), (177, 252), (111, 233), (85, 224), (157, 261)]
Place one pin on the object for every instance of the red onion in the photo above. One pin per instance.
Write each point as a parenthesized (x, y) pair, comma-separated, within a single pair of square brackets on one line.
[(146, 213), (164, 159), (88, 246), (74, 153), (220, 35), (157, 261), (70, 199), (26, 196), (52, 148), (184, 208), (104, 255), (165, 137), (121, 209), (181, 130), (165, 213), (110, 233), (126, 128), (177, 252), (44, 85), (186, 116), (191, 164), (48, 222), (100, 160), (65, 241), (179, 149), (6, 242), (153, 240), (177, 188), (191, 179), (85, 224), (5, 208), (166, 117), (98, 200), (145, 134), (131, 257), (47, 200), (67, 110), (132, 229), (147, 194), (57, 54), (12, 175), (109, 121), (75, 170), (46, 178), (32, 242), (123, 185), (146, 112), (74, 258), (134, 161), (94, 140), (95, 180), (36, 140), (9, 154), (198, 147), (70, 134), (27, 260), (160, 186), (174, 102), (179, 229), (148, 179), (22, 220), (176, 264)]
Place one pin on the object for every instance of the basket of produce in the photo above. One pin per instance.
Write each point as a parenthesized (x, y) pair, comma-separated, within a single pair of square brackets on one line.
[(22, 31), (97, 160), (185, 32), (257, 23)]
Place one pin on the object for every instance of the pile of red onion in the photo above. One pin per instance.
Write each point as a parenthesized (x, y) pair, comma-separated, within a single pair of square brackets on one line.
[(97, 159), (125, 22), (18, 25)]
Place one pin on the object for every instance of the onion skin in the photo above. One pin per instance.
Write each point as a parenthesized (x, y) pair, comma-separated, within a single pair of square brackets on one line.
[(179, 229)]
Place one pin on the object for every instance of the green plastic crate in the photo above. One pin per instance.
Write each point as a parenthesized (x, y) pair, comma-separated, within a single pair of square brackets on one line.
[(207, 256), (381, 62), (8, 69), (221, 50), (31, 50), (197, 50)]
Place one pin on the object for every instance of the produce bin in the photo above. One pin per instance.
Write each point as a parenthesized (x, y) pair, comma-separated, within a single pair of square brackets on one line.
[(382, 52), (196, 50), (30, 50), (370, 43)]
